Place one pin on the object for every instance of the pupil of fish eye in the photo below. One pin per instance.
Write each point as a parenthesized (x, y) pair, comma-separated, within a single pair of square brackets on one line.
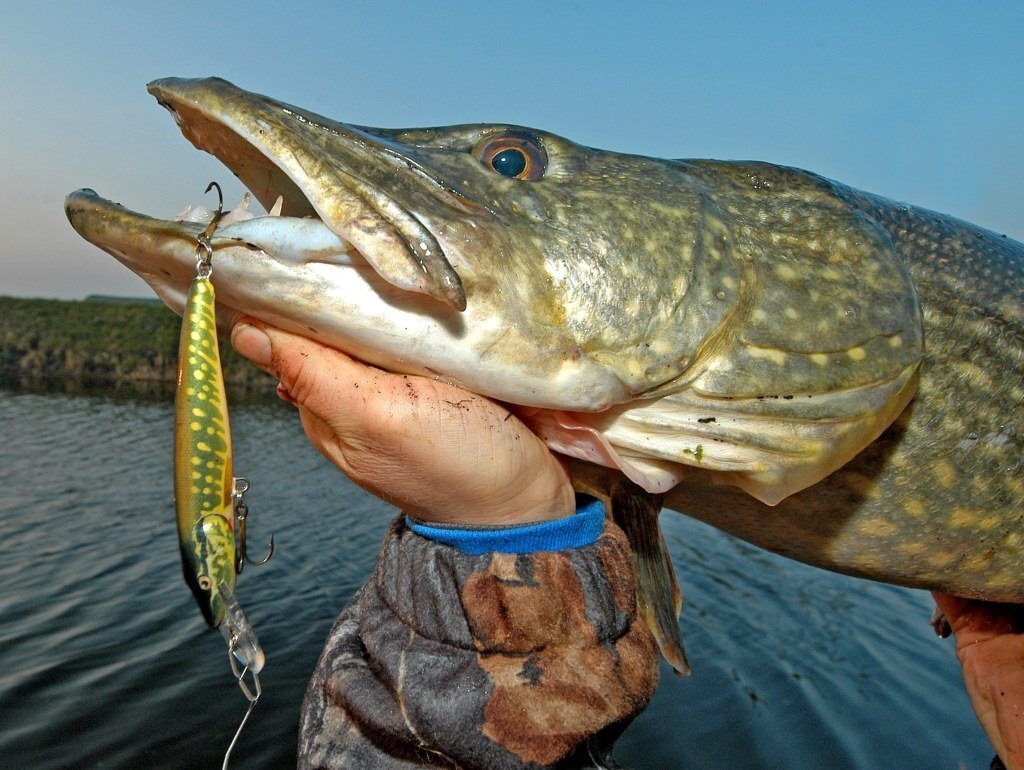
[(510, 162)]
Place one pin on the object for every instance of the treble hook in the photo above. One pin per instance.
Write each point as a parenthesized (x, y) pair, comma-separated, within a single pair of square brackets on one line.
[(242, 517)]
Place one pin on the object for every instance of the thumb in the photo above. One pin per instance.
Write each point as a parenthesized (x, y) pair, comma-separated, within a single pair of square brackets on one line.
[(311, 375)]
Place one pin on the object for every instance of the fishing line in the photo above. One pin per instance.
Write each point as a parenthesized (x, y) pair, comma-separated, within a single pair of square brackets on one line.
[(249, 695)]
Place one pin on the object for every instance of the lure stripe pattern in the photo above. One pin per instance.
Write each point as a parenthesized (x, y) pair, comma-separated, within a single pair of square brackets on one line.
[(203, 480)]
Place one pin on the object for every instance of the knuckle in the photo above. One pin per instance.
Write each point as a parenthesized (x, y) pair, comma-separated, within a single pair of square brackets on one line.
[(297, 373)]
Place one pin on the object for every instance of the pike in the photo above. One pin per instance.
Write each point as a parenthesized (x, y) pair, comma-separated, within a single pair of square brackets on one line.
[(820, 371)]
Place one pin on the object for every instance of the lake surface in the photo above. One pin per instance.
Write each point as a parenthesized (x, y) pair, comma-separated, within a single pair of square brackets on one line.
[(105, 661)]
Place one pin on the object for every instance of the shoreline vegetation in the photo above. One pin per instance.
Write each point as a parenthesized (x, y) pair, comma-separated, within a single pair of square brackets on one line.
[(127, 346)]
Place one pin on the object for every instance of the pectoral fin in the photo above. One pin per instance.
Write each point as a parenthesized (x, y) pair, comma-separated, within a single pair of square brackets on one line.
[(659, 599)]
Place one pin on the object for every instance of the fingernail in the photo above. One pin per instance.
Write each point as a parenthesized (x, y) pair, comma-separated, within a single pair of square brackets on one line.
[(251, 342), (284, 395)]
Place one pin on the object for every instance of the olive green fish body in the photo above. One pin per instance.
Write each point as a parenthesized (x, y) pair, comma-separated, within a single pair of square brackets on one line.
[(203, 481), (937, 501)]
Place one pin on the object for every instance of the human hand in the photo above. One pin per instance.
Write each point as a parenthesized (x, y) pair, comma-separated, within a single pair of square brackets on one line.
[(990, 647), (437, 452)]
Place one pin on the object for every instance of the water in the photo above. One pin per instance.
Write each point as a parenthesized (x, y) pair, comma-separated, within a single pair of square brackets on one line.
[(105, 661)]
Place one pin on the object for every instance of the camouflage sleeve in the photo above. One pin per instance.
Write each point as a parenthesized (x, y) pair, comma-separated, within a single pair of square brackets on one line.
[(496, 660)]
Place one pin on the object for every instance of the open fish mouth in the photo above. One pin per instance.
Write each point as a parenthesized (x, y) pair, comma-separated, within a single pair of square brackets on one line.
[(372, 238), (314, 214), (302, 165)]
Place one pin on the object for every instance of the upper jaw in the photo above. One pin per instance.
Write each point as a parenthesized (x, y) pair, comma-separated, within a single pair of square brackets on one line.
[(348, 178)]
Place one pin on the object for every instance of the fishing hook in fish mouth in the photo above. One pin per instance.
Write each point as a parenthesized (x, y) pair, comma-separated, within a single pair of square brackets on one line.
[(241, 521), (204, 249)]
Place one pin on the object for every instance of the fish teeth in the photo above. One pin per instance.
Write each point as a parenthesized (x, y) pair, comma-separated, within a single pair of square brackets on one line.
[(239, 213), (201, 215), (197, 214)]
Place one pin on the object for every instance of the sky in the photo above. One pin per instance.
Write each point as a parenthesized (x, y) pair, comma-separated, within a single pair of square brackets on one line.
[(921, 102)]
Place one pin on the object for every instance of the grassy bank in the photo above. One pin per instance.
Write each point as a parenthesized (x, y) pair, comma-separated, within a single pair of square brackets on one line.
[(99, 341)]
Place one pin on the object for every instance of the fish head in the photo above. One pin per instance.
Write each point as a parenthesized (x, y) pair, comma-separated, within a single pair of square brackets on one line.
[(499, 257)]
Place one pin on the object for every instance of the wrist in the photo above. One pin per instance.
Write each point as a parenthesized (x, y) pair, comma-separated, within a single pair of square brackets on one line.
[(544, 506), (530, 498), (580, 529)]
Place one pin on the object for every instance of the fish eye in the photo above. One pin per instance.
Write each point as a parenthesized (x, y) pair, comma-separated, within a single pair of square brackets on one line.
[(513, 155), (510, 162)]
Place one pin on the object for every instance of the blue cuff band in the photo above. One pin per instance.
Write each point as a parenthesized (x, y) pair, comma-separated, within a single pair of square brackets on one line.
[(576, 531)]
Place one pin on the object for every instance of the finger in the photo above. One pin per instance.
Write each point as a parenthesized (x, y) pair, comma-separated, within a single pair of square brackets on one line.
[(368, 415), (973, 621), (319, 378)]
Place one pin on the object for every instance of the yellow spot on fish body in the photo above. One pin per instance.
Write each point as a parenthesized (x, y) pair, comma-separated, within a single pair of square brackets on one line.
[(857, 354), (876, 528), (198, 412), (999, 582), (204, 447), (821, 359), (785, 272), (775, 356), (988, 523), (193, 426), (963, 517), (941, 559), (912, 549), (896, 341), (913, 507), (945, 473)]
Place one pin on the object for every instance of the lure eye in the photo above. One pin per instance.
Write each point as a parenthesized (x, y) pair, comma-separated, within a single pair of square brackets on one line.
[(513, 155), (205, 582)]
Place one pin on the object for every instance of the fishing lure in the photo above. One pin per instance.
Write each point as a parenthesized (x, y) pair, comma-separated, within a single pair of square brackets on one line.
[(208, 499)]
